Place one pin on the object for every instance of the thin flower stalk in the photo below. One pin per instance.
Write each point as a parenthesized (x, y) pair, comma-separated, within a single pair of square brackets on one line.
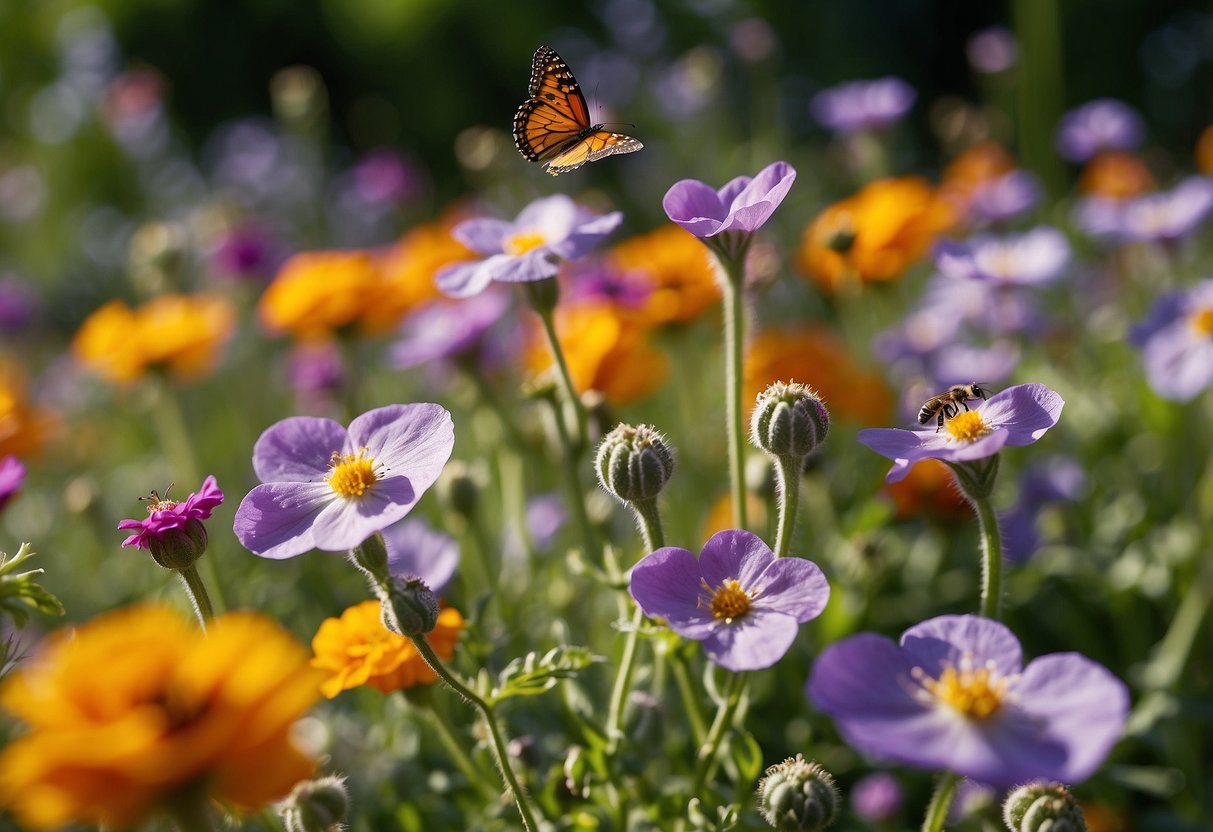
[(941, 801), (706, 758), (734, 361), (573, 411), (195, 588), (787, 474), (991, 559)]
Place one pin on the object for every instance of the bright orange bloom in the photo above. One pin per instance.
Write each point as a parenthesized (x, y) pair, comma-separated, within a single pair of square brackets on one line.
[(137, 706), (1114, 175), (876, 234), (178, 333), (979, 165), (816, 358), (317, 292), (356, 649), (1204, 150), (606, 350), (928, 489), (408, 272), (24, 427), (675, 267)]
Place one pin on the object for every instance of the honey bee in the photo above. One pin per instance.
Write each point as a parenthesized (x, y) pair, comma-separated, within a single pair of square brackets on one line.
[(948, 403)]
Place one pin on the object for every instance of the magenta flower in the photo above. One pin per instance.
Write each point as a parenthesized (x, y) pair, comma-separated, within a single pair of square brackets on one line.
[(12, 475), (741, 206), (1103, 124), (173, 531), (954, 695), (1016, 416), (414, 550), (863, 105), (1033, 257), (742, 602), (548, 231), (328, 488), (1176, 341), (877, 797)]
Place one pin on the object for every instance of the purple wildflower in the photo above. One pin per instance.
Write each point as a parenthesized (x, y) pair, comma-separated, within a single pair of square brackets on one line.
[(593, 280), (992, 50), (877, 797), (1016, 416), (247, 252), (1168, 215), (529, 248), (1176, 341), (742, 602), (328, 488), (954, 694), (12, 475), (1034, 257), (863, 105), (1040, 484), (19, 303), (1103, 124), (545, 516), (385, 177), (444, 330), (414, 550), (742, 206), (1005, 198)]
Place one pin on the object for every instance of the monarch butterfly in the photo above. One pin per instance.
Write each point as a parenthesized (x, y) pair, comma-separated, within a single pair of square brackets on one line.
[(553, 125)]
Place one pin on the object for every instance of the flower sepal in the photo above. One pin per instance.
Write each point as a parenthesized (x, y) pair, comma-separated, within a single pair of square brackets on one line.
[(370, 558), (179, 548), (976, 477), (410, 608)]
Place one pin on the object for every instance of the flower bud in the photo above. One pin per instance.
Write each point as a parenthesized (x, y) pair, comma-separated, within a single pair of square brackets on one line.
[(789, 421), (1042, 806), (409, 608), (634, 464), (459, 489), (179, 548), (542, 295), (319, 805), (798, 796)]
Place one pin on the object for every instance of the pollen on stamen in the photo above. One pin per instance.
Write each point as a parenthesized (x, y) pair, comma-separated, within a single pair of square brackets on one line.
[(967, 426), (1202, 320), (352, 475), (975, 692), (522, 242), (728, 601)]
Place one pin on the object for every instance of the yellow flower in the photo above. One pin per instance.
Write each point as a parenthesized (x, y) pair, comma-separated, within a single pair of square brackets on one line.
[(137, 706), (1114, 175), (178, 333), (408, 272), (24, 427), (606, 350), (356, 649), (317, 292), (676, 269), (876, 234)]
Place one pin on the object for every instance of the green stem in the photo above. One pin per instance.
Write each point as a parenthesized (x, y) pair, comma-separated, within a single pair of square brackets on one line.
[(571, 399), (196, 590), (686, 692), (521, 800), (734, 356), (991, 559), (720, 725), (462, 761), (1171, 654), (937, 811), (572, 481), (787, 471)]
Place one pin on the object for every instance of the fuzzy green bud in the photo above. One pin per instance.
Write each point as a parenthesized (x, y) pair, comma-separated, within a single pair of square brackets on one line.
[(789, 421), (179, 548), (798, 796), (1042, 806), (634, 463), (319, 805), (409, 608), (459, 488)]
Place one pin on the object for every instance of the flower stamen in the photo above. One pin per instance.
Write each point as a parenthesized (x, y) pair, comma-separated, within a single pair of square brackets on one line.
[(977, 693), (352, 475), (967, 426), (522, 242), (1202, 320), (728, 601)]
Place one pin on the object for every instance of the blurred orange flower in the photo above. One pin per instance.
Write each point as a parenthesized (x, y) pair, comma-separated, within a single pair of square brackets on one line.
[(720, 517), (178, 333), (1204, 150), (606, 350), (928, 489), (137, 707), (677, 270), (875, 234), (356, 649), (815, 357), (1115, 175), (24, 427), (409, 267), (979, 165), (317, 292)]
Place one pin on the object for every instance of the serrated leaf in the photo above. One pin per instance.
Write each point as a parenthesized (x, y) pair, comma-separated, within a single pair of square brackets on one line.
[(534, 674)]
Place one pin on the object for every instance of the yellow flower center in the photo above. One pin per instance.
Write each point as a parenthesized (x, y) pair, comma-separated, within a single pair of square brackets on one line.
[(352, 475), (967, 426), (729, 601), (1202, 320), (522, 242), (974, 692)]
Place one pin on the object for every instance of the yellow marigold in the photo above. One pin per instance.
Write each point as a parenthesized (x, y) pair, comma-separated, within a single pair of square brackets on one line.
[(408, 269), (316, 292), (875, 234), (137, 706), (1204, 151), (1115, 175), (178, 333), (356, 649), (676, 269), (606, 349), (816, 358), (24, 427)]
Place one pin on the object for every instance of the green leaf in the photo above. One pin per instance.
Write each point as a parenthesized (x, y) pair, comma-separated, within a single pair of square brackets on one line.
[(534, 674)]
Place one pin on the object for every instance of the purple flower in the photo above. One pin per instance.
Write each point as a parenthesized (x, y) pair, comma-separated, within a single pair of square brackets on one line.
[(1040, 484), (246, 252), (328, 488), (443, 330), (863, 105), (877, 797), (1103, 124), (742, 206), (1016, 416), (742, 602), (1176, 341), (992, 50), (954, 695), (1034, 257), (1168, 215), (1005, 198), (384, 176), (545, 516), (531, 247), (414, 550), (594, 280), (19, 303), (12, 475)]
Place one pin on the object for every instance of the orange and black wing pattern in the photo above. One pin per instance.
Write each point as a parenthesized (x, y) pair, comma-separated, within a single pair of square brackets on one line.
[(553, 125)]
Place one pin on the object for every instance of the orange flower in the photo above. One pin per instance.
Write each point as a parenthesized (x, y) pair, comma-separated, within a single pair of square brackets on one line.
[(408, 272), (816, 358), (979, 165), (720, 517), (317, 292), (135, 707), (875, 234), (1204, 150), (606, 350), (1114, 175), (356, 649), (675, 267), (24, 427), (928, 489), (178, 333)]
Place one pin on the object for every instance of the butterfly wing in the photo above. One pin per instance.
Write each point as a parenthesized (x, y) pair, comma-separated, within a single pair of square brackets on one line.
[(553, 125)]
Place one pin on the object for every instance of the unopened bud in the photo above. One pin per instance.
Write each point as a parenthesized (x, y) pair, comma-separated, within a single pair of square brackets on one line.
[(798, 796), (634, 463), (409, 608), (789, 421), (1042, 806), (459, 488), (179, 548), (319, 805)]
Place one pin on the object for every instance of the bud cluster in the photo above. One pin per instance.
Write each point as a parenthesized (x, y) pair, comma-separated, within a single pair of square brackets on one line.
[(798, 796)]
